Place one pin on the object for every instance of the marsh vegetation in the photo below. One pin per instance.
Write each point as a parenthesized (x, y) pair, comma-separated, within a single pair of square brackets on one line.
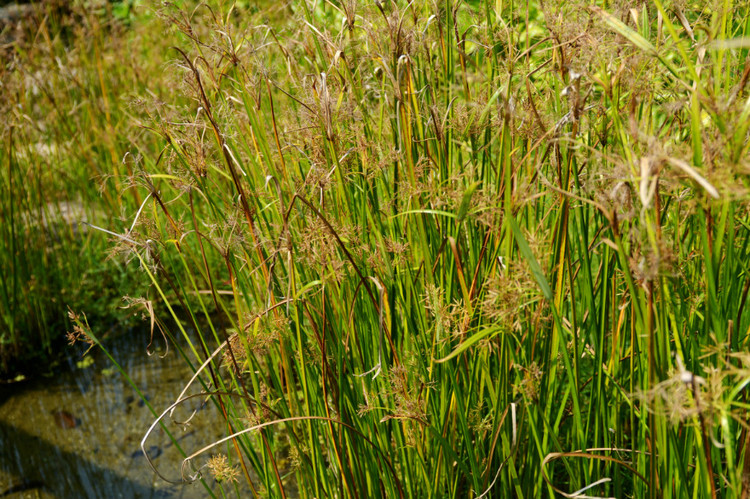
[(430, 248)]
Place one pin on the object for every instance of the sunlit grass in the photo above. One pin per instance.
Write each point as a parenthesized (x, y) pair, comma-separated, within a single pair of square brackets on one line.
[(450, 250)]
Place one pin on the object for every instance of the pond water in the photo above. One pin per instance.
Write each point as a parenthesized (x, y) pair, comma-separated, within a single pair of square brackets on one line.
[(77, 433)]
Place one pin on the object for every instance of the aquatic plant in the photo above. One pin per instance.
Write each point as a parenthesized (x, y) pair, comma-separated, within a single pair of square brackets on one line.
[(467, 249), (453, 249)]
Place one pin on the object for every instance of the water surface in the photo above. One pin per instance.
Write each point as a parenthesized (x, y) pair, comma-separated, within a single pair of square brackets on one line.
[(77, 433)]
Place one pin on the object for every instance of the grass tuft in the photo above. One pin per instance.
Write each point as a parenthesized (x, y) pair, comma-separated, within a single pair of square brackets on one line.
[(432, 249)]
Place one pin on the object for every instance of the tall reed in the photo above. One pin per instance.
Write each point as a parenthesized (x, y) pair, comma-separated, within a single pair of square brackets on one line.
[(457, 249)]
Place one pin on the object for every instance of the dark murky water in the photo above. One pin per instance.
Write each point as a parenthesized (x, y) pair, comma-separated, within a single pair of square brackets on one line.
[(78, 434)]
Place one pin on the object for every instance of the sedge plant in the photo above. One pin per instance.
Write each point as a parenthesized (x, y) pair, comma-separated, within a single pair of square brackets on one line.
[(455, 249)]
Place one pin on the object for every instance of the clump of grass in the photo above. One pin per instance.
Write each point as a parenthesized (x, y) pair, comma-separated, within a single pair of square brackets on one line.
[(435, 193), (457, 249), (67, 131)]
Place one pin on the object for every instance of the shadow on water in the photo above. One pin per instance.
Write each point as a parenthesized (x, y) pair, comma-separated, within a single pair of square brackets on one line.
[(77, 433), (41, 465)]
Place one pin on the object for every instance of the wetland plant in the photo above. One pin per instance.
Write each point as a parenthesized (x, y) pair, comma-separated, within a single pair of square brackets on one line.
[(454, 249)]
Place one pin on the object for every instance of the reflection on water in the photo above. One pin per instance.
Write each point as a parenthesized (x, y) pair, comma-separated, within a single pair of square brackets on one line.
[(77, 434)]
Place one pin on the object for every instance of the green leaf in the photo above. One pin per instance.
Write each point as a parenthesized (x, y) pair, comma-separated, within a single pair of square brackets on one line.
[(623, 30), (466, 200), (490, 331), (525, 250)]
